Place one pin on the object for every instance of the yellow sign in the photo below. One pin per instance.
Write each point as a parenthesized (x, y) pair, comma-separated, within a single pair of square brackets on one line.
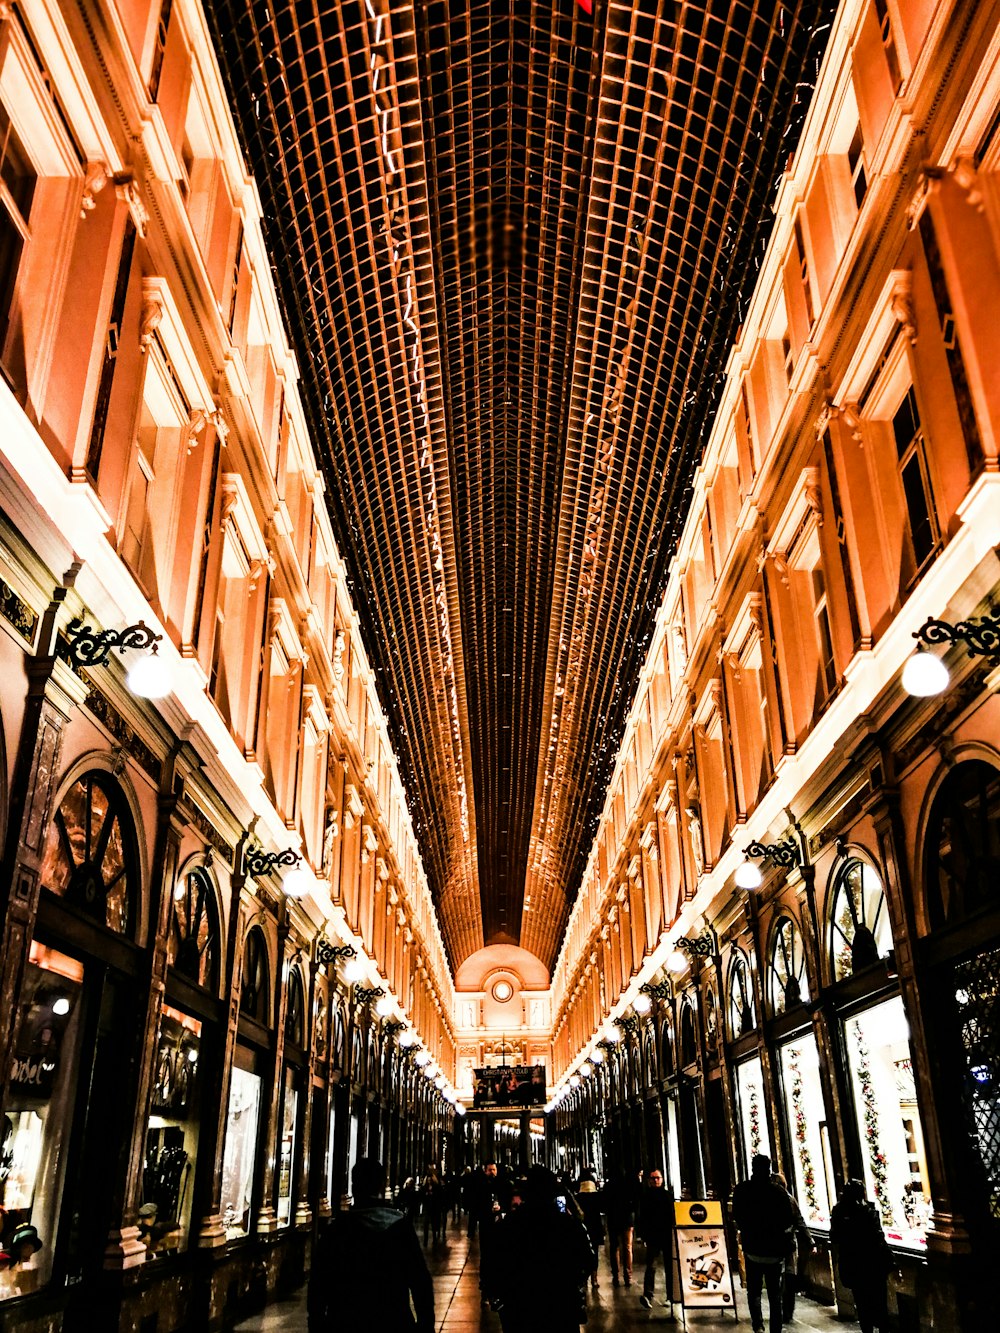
[(698, 1213)]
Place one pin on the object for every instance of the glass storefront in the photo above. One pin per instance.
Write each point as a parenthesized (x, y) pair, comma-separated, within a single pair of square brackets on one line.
[(885, 1101), (240, 1153), (807, 1128), (171, 1136), (38, 1117), (286, 1159), (752, 1109)]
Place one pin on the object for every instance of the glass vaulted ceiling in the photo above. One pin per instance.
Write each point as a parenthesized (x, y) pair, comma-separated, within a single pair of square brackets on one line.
[(513, 243)]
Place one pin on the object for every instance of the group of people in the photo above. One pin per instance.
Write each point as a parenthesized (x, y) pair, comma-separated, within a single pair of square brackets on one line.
[(773, 1235), (539, 1240)]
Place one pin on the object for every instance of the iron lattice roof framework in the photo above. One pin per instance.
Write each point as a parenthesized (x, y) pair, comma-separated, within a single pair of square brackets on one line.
[(513, 243)]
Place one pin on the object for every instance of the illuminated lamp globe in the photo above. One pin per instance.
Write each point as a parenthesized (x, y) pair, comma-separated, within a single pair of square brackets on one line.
[(748, 876), (440, 1081), (385, 1006), (421, 1058), (149, 677), (925, 675), (297, 883), (459, 1108), (354, 970), (597, 1057), (642, 1004), (677, 961), (575, 1081), (407, 1038), (614, 1034), (60, 1006), (585, 1070)]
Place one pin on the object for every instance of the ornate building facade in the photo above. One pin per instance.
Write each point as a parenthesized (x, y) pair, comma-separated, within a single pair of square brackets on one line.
[(195, 1044), (840, 1012), (222, 977)]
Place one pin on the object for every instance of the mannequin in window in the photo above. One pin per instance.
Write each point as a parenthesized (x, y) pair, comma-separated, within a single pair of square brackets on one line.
[(793, 993)]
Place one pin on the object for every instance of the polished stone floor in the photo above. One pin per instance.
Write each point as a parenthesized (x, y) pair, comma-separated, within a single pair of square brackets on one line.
[(454, 1265)]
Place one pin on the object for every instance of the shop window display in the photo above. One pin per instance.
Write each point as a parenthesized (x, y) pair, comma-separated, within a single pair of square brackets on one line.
[(171, 1136), (752, 1106), (239, 1158), (37, 1118), (806, 1112), (787, 986), (860, 933), (885, 1100), (286, 1159), (90, 853)]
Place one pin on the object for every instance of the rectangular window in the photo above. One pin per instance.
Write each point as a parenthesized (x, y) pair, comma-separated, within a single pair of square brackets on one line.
[(824, 639), (171, 1136), (159, 48), (888, 43), (800, 252), (38, 1114), (240, 1154), (885, 1103), (787, 357), (806, 1115), (911, 456), (286, 1158), (856, 161), (17, 189), (235, 292), (111, 343)]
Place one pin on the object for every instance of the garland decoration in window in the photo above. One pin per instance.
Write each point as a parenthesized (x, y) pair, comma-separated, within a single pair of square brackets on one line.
[(754, 1121), (799, 1116), (876, 1157)]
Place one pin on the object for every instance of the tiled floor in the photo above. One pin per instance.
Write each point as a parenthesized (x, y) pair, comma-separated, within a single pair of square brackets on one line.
[(454, 1265)]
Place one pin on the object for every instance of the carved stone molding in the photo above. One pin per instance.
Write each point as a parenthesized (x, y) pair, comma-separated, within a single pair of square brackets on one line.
[(151, 317), (902, 304), (96, 177)]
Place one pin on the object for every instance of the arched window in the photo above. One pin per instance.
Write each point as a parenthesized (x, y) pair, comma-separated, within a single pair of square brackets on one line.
[(91, 856), (742, 1015), (295, 1008), (963, 844), (689, 1044), (254, 988), (338, 1055), (193, 944), (787, 985), (649, 1070), (711, 1024), (666, 1049), (860, 933)]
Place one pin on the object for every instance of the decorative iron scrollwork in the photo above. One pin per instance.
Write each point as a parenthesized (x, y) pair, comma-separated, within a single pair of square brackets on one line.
[(698, 946), (260, 862), (657, 990), (980, 637), (784, 853), (90, 647), (368, 994), (327, 952)]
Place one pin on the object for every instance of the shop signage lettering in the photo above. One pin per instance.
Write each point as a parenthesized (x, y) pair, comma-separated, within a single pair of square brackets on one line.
[(34, 1073)]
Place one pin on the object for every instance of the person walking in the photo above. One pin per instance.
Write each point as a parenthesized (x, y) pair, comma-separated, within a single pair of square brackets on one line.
[(621, 1203), (485, 1215), (765, 1219), (656, 1231), (542, 1259), (864, 1259), (368, 1265), (589, 1199), (433, 1201), (799, 1245)]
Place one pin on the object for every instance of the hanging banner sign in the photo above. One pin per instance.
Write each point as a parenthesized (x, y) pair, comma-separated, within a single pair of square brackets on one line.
[(706, 1275), (507, 1086)]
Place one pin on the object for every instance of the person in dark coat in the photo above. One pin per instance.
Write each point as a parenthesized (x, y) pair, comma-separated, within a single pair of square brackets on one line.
[(542, 1259), (864, 1259), (765, 1219), (799, 1245), (656, 1231), (588, 1196), (488, 1196), (368, 1265), (621, 1204)]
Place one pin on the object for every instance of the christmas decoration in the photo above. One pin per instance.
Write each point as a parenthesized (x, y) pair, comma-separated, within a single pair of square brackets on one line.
[(754, 1122), (876, 1157), (799, 1117)]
